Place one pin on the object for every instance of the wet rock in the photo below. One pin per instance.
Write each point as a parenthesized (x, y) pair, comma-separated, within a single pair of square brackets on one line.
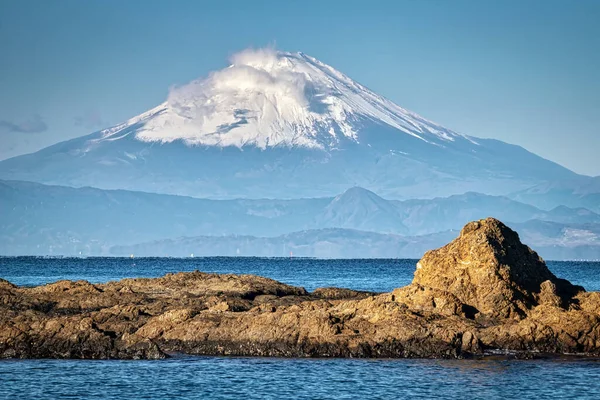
[(470, 343), (332, 293)]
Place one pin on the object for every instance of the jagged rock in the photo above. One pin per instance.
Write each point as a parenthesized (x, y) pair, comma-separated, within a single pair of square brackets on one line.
[(488, 268), (483, 291)]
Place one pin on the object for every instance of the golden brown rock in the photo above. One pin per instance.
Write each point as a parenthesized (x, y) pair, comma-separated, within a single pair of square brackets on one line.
[(483, 292), (489, 269)]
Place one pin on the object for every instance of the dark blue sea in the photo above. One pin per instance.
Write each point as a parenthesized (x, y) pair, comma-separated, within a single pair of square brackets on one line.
[(269, 378)]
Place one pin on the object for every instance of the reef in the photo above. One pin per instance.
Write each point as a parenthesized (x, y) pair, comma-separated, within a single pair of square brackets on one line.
[(483, 293)]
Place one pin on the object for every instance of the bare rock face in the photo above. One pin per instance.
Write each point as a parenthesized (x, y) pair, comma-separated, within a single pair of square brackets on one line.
[(482, 293), (492, 273)]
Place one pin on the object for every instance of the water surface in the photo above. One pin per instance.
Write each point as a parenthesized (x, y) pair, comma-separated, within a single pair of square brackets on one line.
[(378, 275), (255, 378), (270, 378)]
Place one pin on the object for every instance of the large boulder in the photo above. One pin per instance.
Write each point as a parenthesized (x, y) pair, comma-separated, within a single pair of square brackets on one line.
[(492, 273)]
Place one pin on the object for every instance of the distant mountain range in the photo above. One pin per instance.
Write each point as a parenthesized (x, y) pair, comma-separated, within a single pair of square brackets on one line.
[(551, 240), (40, 219), (580, 192), (321, 243)]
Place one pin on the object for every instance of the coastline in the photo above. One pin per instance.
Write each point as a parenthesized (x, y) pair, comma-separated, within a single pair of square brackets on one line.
[(484, 291)]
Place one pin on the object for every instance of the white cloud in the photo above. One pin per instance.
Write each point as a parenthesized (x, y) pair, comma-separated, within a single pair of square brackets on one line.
[(255, 75)]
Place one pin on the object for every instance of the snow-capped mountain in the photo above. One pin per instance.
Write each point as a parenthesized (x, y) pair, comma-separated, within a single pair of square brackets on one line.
[(267, 99), (277, 124)]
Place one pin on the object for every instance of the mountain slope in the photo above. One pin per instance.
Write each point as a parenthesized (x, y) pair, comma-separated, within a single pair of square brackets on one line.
[(283, 125)]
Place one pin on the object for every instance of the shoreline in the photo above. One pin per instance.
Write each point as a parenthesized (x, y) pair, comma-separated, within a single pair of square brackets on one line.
[(482, 292)]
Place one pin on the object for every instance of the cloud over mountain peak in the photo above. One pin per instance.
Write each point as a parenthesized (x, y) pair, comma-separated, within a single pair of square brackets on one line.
[(267, 98)]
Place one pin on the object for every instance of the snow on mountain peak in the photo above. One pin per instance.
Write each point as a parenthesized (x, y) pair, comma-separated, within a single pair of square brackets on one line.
[(271, 98)]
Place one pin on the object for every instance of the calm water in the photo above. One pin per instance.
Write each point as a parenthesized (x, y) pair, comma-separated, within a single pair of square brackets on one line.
[(370, 274), (254, 378)]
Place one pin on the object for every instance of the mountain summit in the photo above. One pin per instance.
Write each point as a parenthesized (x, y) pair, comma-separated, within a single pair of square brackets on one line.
[(267, 98), (283, 125)]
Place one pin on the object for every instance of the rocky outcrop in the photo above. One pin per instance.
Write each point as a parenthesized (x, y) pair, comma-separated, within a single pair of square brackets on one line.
[(491, 272), (483, 293)]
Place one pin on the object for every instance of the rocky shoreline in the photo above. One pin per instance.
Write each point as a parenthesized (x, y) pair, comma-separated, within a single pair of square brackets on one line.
[(484, 293)]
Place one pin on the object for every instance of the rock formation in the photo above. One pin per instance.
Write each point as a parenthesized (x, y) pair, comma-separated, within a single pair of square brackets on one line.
[(485, 292), (490, 271)]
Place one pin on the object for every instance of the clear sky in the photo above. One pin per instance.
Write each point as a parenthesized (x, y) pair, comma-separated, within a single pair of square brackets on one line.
[(526, 72)]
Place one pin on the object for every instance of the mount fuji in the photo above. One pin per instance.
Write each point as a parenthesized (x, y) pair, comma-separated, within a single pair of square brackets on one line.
[(283, 125)]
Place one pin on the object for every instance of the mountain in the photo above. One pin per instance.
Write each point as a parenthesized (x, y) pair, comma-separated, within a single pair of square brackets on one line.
[(580, 192), (283, 125), (557, 241), (568, 215), (553, 241), (39, 219), (361, 209), (424, 216), (321, 243)]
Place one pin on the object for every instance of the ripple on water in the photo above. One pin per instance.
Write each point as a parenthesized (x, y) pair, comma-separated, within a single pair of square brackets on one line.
[(254, 378), (370, 274)]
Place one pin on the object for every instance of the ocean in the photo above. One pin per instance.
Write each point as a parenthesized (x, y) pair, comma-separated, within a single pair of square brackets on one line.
[(186, 377)]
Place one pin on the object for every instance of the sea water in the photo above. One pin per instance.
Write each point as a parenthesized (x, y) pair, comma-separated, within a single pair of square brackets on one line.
[(186, 377)]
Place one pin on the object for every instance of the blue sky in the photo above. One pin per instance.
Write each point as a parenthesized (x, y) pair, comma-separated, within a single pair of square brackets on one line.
[(526, 72)]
